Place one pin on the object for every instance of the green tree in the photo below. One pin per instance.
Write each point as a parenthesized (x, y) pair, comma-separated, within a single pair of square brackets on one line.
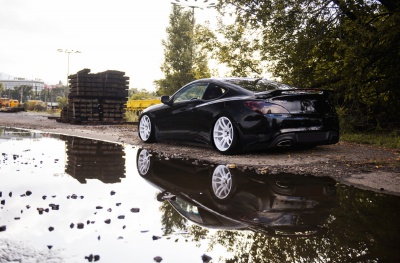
[(22, 93), (62, 102), (171, 219), (352, 47), (183, 60), (239, 51), (51, 94), (2, 89), (135, 94)]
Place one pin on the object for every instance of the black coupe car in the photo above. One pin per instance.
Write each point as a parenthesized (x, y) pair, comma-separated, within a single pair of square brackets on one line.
[(234, 114)]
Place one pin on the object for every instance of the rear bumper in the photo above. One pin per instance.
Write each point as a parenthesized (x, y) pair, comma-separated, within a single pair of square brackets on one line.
[(270, 131), (305, 138), (311, 138)]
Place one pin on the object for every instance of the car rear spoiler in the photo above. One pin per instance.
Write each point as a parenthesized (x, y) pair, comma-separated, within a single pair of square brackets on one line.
[(289, 92)]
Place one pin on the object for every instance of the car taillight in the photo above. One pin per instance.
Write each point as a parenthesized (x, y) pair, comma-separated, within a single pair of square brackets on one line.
[(265, 108)]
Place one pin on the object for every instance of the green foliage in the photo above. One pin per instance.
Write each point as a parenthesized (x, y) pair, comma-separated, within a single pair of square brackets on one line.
[(351, 47), (131, 116), (171, 219), (2, 89), (183, 61), (239, 51), (62, 102), (24, 91), (34, 105), (51, 95), (389, 140), (135, 94)]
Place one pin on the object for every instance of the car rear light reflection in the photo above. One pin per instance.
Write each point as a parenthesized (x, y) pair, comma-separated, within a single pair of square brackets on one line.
[(265, 108)]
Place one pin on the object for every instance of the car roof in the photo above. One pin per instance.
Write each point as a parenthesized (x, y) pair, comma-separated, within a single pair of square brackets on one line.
[(248, 85), (240, 89)]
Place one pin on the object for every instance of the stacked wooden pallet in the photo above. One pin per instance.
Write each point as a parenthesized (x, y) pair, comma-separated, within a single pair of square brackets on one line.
[(91, 159), (96, 98)]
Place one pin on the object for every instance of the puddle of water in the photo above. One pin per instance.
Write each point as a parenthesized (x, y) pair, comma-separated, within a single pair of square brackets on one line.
[(69, 199)]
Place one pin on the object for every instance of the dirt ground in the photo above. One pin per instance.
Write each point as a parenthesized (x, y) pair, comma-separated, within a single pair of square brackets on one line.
[(363, 166)]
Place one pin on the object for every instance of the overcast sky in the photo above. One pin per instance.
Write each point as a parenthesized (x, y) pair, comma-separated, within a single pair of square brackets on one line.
[(122, 35)]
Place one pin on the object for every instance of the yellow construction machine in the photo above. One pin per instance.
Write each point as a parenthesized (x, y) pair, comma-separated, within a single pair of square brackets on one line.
[(8, 103)]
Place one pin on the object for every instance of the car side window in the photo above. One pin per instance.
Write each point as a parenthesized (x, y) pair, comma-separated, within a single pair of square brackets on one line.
[(195, 91), (213, 91)]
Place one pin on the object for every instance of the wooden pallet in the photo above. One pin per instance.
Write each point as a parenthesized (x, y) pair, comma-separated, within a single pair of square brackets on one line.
[(96, 98)]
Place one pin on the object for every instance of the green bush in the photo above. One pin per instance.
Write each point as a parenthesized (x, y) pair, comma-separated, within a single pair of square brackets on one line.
[(35, 106)]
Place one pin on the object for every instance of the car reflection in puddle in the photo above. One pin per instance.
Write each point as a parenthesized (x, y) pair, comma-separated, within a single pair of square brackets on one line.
[(220, 197), (69, 199)]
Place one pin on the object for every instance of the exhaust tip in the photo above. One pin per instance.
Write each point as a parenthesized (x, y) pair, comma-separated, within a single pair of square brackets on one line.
[(284, 143)]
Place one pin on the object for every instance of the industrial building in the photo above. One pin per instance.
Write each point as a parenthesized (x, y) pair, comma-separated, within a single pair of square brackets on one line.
[(10, 82)]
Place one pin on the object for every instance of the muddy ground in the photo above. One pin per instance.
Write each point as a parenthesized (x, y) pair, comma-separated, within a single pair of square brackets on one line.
[(364, 166)]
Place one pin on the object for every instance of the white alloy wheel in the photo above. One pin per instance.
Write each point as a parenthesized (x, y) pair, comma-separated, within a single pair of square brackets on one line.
[(143, 162), (223, 134), (221, 182), (145, 128)]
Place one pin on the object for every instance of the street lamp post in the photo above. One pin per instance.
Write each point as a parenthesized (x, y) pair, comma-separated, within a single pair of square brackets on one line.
[(68, 51), (193, 4)]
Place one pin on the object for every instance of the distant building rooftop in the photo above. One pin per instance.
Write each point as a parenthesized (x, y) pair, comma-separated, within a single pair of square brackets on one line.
[(10, 82)]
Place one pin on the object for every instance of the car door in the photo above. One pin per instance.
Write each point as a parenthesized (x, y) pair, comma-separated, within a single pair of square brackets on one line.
[(177, 121), (205, 114)]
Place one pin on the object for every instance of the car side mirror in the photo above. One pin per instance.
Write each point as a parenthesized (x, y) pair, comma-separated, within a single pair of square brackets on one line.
[(165, 100)]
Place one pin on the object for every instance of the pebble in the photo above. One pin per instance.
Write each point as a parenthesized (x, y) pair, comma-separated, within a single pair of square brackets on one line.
[(206, 258), (158, 259)]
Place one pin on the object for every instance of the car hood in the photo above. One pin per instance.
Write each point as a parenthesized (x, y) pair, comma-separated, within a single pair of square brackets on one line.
[(154, 107)]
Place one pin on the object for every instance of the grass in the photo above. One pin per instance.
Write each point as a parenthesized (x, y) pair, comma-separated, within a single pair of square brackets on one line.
[(384, 139), (131, 116)]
